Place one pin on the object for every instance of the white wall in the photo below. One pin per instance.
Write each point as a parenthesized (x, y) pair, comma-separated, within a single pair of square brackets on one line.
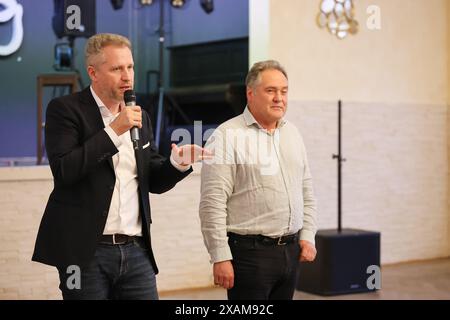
[(404, 62), (259, 25), (395, 176)]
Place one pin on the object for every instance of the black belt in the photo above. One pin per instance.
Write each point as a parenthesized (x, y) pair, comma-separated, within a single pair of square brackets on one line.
[(280, 241), (118, 238)]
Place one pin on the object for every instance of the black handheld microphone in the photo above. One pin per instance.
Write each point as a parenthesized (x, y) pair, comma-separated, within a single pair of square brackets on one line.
[(130, 100)]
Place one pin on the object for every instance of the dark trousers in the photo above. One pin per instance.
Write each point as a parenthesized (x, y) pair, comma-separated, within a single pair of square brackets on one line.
[(120, 271), (263, 271)]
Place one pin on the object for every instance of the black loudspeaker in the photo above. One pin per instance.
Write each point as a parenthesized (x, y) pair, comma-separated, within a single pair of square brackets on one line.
[(207, 5), (74, 18), (344, 263)]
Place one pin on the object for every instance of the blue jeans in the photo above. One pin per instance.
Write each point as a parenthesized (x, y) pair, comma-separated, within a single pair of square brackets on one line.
[(121, 271)]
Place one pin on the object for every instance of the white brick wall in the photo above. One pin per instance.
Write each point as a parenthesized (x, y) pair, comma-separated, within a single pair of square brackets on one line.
[(395, 181), (179, 250), (182, 258), (22, 204)]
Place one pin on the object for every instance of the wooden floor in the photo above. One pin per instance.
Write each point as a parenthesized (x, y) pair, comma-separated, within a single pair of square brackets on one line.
[(410, 281)]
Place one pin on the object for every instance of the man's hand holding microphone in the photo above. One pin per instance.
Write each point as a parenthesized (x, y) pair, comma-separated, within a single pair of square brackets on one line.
[(128, 118)]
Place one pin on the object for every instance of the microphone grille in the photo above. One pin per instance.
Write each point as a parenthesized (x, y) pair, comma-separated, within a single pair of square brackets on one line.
[(129, 96)]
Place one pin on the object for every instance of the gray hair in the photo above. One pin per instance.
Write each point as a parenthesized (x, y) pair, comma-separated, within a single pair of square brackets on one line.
[(96, 43), (253, 75)]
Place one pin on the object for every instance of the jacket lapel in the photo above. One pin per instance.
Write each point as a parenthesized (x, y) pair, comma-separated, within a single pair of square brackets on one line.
[(92, 112)]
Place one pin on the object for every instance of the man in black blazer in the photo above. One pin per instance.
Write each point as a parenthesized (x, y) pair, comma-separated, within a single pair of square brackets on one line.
[(96, 226)]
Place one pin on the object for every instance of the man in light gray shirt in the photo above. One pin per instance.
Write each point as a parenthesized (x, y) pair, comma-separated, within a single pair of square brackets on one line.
[(257, 207)]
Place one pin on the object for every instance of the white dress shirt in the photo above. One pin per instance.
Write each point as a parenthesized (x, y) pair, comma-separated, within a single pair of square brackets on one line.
[(123, 215)]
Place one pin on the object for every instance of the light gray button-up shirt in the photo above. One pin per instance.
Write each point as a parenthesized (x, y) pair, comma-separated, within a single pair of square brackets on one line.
[(257, 183)]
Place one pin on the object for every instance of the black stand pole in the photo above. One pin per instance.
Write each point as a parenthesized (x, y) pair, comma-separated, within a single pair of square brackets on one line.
[(72, 62), (162, 94), (340, 159), (343, 255), (161, 75)]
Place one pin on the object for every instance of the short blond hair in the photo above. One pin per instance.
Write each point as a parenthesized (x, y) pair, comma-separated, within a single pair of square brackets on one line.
[(96, 43), (253, 75)]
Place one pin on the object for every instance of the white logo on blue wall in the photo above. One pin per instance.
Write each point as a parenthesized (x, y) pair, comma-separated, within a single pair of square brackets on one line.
[(12, 10)]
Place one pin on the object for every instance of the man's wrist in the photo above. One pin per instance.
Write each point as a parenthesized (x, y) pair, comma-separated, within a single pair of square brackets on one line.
[(179, 167), (116, 128)]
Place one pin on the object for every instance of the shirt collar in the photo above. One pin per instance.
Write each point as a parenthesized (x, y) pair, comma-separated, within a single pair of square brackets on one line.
[(250, 119), (104, 111)]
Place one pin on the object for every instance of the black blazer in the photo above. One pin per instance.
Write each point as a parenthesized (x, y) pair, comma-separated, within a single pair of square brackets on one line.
[(80, 156)]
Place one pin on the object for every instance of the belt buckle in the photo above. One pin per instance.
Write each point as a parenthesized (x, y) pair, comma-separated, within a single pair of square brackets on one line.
[(114, 240), (280, 243)]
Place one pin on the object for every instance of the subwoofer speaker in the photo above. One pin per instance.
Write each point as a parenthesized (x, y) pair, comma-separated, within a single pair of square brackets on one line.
[(342, 262)]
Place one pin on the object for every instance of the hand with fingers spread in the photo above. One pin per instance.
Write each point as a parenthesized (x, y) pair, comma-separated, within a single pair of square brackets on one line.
[(224, 274), (128, 117), (190, 153), (307, 251)]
